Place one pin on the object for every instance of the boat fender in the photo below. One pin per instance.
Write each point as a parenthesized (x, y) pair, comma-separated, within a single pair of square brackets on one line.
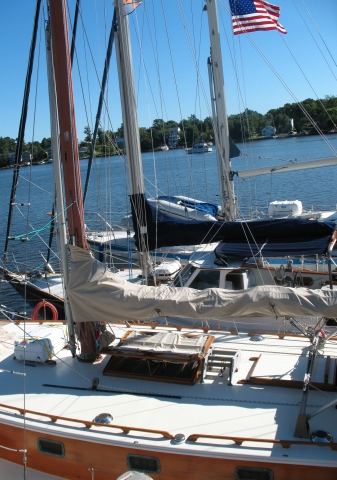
[(44, 304)]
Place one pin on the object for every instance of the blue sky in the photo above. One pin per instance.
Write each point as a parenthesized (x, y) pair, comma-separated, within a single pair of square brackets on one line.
[(166, 81)]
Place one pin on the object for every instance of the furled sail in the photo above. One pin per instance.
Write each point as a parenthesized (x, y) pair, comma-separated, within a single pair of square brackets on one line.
[(96, 294)]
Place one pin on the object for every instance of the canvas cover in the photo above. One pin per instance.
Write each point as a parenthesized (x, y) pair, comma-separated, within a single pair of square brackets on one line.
[(96, 294), (165, 231), (164, 342), (293, 247)]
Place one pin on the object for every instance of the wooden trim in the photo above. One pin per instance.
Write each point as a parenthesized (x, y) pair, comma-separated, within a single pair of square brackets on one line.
[(240, 440), (28, 321), (294, 270), (281, 335), (192, 438), (109, 460), (88, 424), (274, 382)]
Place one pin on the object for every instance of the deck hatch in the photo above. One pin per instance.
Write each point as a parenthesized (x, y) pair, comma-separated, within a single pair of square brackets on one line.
[(159, 356), (50, 447), (250, 473), (143, 463)]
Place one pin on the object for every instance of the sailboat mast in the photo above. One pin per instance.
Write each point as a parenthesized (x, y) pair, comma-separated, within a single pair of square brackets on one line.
[(69, 147), (220, 121), (21, 134), (131, 134), (67, 124), (61, 221)]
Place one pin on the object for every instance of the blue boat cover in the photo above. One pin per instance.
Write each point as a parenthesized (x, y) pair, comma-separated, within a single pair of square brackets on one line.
[(277, 236), (294, 247)]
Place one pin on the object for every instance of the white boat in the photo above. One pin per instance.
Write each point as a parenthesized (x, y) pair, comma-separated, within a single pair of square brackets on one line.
[(200, 147), (164, 147), (173, 397), (168, 382)]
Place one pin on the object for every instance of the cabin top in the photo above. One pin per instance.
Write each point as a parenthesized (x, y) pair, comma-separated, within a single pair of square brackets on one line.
[(229, 385)]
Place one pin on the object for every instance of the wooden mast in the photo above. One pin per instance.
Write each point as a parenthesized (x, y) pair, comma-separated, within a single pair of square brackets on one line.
[(67, 124), (69, 146)]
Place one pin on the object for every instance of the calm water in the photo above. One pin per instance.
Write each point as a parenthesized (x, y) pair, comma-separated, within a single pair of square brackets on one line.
[(168, 173)]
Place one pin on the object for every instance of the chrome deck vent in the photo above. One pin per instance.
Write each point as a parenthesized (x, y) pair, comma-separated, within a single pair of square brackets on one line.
[(320, 436), (103, 418), (257, 338)]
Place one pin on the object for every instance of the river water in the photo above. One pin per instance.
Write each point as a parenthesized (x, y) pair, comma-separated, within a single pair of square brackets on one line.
[(165, 173)]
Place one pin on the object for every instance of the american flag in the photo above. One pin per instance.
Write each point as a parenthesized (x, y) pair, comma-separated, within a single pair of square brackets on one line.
[(252, 15), (130, 5)]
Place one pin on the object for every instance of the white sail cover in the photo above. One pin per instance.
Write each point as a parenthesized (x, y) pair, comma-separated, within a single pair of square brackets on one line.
[(96, 294)]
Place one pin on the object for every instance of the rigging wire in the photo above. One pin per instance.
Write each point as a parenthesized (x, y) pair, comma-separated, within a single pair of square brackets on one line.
[(312, 88), (322, 104), (244, 119), (327, 48), (283, 82)]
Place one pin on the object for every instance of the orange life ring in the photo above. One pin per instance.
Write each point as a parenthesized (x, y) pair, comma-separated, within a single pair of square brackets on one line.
[(43, 304), (322, 332)]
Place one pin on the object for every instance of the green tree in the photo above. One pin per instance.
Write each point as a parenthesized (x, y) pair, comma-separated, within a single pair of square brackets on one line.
[(87, 134), (37, 151), (46, 143), (145, 139), (7, 145)]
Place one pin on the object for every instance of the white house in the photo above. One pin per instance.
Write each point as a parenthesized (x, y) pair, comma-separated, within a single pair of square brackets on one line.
[(174, 137), (26, 157), (268, 131), (82, 151), (120, 143)]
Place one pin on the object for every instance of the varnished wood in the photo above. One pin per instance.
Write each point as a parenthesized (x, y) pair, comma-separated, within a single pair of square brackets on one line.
[(241, 440), (88, 424), (110, 461)]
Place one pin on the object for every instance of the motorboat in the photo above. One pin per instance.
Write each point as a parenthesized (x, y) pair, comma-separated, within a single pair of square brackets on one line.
[(200, 147)]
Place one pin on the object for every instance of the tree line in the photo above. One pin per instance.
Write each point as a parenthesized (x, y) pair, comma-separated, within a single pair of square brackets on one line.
[(309, 115)]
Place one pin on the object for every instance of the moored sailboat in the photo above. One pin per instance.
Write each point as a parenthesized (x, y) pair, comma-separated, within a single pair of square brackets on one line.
[(181, 400)]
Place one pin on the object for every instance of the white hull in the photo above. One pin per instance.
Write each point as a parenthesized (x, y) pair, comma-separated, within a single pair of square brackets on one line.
[(245, 424), (14, 471), (196, 149)]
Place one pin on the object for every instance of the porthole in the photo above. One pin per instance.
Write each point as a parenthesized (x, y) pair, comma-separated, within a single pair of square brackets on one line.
[(50, 447), (143, 464), (250, 473)]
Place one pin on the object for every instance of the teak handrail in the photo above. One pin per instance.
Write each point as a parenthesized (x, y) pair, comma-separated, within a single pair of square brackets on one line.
[(87, 423), (239, 440), (192, 438)]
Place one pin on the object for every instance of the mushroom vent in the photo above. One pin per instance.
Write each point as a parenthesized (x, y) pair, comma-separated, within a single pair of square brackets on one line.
[(103, 418)]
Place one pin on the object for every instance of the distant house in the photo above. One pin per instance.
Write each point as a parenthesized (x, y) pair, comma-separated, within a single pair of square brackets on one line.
[(11, 158), (268, 131), (26, 157), (174, 137), (120, 143), (82, 151)]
